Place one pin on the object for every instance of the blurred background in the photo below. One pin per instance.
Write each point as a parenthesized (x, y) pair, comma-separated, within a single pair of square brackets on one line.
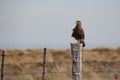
[(49, 23)]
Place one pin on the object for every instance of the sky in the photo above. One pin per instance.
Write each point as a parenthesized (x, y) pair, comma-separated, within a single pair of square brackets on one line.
[(48, 23)]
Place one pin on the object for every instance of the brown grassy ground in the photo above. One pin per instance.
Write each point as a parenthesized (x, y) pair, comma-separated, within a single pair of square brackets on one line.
[(98, 64)]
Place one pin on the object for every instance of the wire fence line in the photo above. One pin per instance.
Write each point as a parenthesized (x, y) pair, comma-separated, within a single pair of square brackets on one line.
[(40, 64), (20, 54), (57, 52)]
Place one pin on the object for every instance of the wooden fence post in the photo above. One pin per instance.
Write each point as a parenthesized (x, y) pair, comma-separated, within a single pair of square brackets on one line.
[(76, 49), (44, 64), (2, 66)]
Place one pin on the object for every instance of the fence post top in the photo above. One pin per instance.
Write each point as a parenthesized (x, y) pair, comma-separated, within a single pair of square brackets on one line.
[(76, 46)]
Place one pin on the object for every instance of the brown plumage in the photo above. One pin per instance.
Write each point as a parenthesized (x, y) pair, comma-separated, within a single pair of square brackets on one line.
[(78, 33)]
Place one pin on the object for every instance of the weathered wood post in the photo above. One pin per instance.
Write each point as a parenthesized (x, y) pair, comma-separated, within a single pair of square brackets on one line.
[(76, 49), (2, 65), (44, 64)]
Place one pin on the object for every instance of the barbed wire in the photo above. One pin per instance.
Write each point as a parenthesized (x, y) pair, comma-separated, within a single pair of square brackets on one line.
[(114, 62), (22, 63), (60, 62), (21, 54), (98, 72), (22, 74), (52, 52), (69, 55)]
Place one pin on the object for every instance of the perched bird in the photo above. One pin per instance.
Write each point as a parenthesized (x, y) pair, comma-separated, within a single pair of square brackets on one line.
[(78, 33)]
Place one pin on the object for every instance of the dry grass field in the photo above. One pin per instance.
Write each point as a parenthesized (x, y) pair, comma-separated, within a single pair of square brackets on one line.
[(98, 64)]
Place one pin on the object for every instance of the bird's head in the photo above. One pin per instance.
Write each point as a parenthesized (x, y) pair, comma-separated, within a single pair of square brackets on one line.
[(78, 23)]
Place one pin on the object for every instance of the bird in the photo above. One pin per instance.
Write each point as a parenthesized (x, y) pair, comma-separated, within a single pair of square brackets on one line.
[(78, 33)]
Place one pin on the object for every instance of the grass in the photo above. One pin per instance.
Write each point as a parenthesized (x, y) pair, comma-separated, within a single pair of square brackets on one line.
[(98, 64)]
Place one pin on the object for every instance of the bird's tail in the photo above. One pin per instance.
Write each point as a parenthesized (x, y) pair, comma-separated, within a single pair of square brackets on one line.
[(83, 44), (82, 41)]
